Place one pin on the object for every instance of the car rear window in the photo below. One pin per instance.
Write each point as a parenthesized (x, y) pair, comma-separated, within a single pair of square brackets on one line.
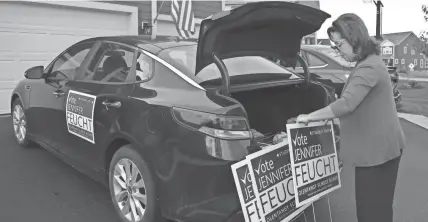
[(250, 68)]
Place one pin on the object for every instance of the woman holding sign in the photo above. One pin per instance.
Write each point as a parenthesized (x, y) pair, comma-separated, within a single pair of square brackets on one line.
[(370, 129)]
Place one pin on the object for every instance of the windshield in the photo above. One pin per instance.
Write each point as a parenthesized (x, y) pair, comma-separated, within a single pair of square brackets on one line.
[(184, 59), (331, 53)]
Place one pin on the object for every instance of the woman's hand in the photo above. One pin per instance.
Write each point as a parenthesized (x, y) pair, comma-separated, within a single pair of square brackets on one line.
[(304, 118)]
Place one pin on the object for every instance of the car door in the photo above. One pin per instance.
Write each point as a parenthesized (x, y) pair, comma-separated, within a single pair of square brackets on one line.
[(96, 101), (47, 94)]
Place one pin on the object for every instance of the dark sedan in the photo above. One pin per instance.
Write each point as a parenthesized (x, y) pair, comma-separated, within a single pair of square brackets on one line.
[(160, 123)]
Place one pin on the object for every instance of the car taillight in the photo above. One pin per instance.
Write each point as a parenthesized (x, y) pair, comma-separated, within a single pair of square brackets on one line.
[(217, 126)]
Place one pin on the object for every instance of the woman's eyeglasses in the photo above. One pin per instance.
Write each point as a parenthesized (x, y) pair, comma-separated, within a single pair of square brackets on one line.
[(337, 46)]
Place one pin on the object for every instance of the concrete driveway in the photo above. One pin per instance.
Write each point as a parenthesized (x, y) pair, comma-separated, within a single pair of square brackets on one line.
[(36, 186), (411, 196)]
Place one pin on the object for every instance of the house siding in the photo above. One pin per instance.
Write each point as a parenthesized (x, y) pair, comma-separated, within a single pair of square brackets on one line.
[(144, 10), (411, 42), (202, 9)]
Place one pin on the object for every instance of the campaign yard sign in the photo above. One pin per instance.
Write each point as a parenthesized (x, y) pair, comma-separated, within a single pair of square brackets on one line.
[(80, 115), (244, 184), (265, 185), (314, 161)]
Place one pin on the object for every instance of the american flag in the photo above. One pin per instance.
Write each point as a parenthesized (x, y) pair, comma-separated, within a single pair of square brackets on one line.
[(184, 18)]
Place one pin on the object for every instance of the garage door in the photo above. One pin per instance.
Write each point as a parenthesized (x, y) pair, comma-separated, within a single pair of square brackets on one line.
[(33, 33)]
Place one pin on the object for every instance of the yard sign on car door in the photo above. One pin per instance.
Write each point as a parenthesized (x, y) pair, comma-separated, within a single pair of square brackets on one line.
[(80, 115)]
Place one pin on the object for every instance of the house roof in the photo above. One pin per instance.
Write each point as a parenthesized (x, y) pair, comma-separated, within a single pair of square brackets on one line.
[(397, 37)]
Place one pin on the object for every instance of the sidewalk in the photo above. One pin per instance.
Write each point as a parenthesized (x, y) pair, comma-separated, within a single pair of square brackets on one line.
[(419, 120)]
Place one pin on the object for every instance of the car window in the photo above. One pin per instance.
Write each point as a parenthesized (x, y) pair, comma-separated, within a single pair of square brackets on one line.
[(331, 53), (184, 59), (314, 61), (111, 63), (70, 61), (145, 67)]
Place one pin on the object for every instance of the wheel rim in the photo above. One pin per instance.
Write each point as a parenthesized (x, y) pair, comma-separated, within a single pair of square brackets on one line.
[(19, 123), (129, 190)]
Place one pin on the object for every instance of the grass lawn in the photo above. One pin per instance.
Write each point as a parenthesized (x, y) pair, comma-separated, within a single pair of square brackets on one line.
[(414, 100), (415, 74)]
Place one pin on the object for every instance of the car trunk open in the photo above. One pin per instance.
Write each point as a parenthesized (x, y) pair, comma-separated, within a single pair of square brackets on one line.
[(264, 29), (275, 28), (268, 109)]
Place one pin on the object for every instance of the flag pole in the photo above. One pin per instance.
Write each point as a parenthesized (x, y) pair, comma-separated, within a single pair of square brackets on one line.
[(156, 18)]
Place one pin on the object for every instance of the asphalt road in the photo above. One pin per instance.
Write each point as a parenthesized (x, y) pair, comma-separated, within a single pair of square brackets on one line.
[(36, 186)]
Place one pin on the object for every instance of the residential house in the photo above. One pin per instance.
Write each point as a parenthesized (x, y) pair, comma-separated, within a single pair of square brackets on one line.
[(400, 49), (155, 16), (407, 50), (156, 20), (387, 52)]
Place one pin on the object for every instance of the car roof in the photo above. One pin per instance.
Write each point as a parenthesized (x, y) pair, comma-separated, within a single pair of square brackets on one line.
[(145, 42)]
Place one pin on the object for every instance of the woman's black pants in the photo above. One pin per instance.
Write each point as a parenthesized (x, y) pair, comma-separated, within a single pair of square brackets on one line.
[(374, 191)]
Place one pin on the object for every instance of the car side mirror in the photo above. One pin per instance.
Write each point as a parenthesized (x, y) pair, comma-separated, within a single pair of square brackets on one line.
[(34, 72)]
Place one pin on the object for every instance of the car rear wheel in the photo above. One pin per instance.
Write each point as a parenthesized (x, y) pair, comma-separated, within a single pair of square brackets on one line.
[(19, 122), (132, 187)]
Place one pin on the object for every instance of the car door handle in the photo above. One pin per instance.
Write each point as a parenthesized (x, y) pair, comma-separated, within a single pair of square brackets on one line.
[(59, 93), (112, 104)]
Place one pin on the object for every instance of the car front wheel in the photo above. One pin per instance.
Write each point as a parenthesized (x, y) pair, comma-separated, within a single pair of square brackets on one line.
[(19, 122), (132, 187)]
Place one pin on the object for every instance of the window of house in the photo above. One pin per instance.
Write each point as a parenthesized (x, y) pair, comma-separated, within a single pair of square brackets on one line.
[(421, 64), (405, 49), (415, 62), (426, 63), (387, 50), (395, 61), (402, 61)]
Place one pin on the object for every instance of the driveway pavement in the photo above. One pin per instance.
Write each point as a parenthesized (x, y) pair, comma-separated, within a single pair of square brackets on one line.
[(36, 186), (411, 197)]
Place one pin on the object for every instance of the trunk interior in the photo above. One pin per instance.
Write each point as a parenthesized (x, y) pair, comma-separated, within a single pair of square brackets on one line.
[(269, 109)]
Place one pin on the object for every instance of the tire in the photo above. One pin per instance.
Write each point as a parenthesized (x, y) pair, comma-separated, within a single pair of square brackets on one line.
[(128, 155), (19, 123)]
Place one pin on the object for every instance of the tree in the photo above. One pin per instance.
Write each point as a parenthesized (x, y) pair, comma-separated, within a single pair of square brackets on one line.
[(424, 34)]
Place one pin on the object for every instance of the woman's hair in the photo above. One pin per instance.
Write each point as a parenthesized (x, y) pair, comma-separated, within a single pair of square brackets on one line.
[(352, 28)]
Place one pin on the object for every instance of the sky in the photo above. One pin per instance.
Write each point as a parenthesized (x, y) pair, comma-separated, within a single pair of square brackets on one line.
[(397, 15)]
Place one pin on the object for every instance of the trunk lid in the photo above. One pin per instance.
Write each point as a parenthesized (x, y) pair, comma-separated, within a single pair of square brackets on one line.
[(257, 28)]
